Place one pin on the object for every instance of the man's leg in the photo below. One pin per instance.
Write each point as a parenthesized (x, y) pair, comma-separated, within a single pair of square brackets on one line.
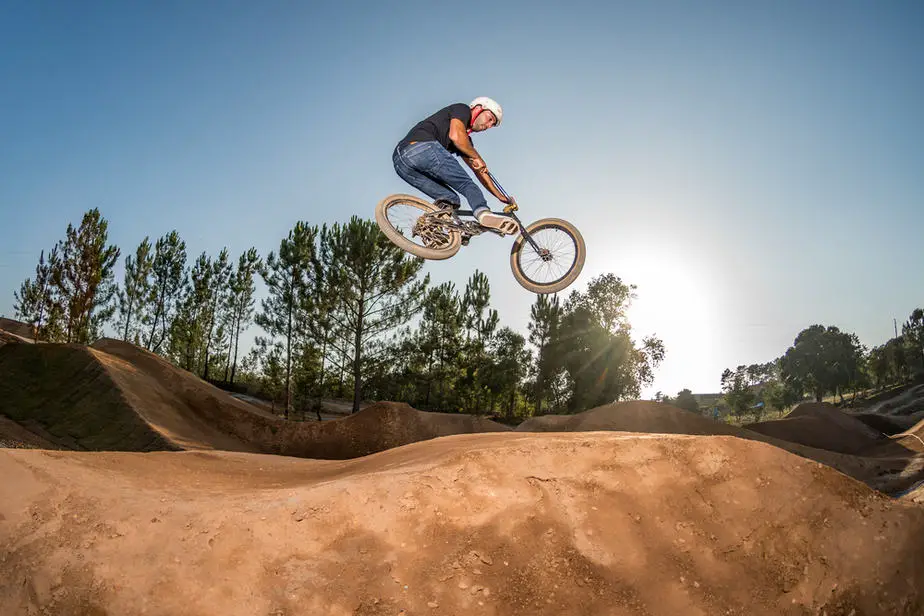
[(438, 164), (407, 160), (429, 167), (445, 169)]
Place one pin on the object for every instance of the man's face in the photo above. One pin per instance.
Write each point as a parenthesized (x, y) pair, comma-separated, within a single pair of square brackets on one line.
[(484, 121)]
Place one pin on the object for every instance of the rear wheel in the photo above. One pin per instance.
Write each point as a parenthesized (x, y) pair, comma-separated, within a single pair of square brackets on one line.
[(413, 225), (558, 261)]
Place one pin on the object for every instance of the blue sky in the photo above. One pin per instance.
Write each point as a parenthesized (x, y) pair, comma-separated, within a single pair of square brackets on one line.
[(753, 168)]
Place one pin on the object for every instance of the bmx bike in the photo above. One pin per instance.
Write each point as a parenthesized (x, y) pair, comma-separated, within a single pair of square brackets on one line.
[(547, 255)]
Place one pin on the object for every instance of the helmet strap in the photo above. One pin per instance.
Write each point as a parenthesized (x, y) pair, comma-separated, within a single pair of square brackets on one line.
[(477, 111)]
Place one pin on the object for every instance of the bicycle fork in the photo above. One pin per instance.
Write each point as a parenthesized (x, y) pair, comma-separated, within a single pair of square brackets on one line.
[(544, 253)]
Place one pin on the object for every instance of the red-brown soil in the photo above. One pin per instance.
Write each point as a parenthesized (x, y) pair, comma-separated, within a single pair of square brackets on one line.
[(635, 508), (507, 523), (823, 426), (115, 396)]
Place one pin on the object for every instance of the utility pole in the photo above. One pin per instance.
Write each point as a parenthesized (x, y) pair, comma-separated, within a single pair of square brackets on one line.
[(895, 325)]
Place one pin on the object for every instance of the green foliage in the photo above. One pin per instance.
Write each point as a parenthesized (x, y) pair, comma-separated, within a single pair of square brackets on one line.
[(686, 400), (85, 280), (345, 308), (72, 294), (35, 302), (822, 360), (290, 278), (480, 322), (913, 335), (168, 280), (596, 349), (545, 320), (779, 395), (240, 308), (136, 293), (737, 387), (438, 347), (187, 330), (509, 363), (217, 300), (375, 289)]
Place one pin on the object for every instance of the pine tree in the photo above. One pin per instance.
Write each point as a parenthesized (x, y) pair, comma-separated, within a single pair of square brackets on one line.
[(289, 278), (241, 303), (35, 301), (545, 315), (479, 318), (480, 321), (376, 287), (439, 340), (509, 364), (187, 330), (320, 326), (169, 279), (216, 301), (84, 280), (136, 295)]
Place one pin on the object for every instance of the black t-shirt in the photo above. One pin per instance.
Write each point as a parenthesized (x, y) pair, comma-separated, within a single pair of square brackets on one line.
[(436, 127)]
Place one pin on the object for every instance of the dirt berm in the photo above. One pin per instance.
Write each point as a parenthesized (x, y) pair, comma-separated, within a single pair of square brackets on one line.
[(824, 426), (887, 465), (499, 524), (115, 396)]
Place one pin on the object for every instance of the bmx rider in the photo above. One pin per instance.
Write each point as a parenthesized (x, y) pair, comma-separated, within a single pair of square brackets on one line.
[(425, 159)]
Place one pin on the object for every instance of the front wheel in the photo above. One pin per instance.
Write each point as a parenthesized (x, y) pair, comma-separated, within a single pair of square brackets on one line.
[(416, 227), (558, 260)]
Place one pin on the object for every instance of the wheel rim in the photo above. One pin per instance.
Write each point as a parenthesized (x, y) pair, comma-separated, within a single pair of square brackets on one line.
[(559, 249), (406, 218)]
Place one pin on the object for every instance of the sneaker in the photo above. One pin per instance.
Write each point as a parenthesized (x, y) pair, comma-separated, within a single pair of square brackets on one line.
[(445, 205), (504, 224)]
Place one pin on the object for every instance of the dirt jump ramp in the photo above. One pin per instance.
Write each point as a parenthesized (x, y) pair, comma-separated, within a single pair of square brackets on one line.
[(115, 396), (503, 524)]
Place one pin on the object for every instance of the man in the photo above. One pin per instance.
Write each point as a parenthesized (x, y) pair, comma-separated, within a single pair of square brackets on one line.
[(424, 159)]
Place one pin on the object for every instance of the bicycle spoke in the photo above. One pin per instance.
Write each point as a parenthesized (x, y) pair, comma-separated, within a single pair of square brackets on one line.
[(405, 218), (562, 251)]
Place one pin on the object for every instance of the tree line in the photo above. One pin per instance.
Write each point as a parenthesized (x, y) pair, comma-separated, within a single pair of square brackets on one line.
[(823, 360), (345, 314)]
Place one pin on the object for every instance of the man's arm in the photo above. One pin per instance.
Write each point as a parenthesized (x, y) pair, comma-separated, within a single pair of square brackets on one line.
[(459, 137)]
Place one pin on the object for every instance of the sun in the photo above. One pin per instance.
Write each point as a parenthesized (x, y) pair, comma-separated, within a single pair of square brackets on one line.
[(677, 300)]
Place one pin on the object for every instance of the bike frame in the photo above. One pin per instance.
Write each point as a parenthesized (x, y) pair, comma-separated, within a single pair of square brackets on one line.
[(505, 213)]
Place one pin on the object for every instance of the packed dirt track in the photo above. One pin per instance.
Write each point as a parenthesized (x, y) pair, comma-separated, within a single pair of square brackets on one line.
[(508, 523), (149, 491)]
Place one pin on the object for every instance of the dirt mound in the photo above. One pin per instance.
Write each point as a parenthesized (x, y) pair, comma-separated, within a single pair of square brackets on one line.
[(545, 423), (889, 466), (7, 338), (116, 396), (17, 328), (832, 414), (486, 523), (15, 436), (902, 401), (823, 426), (885, 424), (634, 416), (913, 437), (63, 394), (378, 427)]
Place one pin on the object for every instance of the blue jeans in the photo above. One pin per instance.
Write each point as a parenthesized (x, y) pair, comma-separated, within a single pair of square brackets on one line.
[(430, 168)]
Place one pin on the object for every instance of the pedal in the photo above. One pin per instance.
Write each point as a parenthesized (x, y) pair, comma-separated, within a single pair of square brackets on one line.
[(465, 241)]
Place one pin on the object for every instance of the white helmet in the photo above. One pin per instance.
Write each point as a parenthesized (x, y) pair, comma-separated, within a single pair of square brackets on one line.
[(491, 105)]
